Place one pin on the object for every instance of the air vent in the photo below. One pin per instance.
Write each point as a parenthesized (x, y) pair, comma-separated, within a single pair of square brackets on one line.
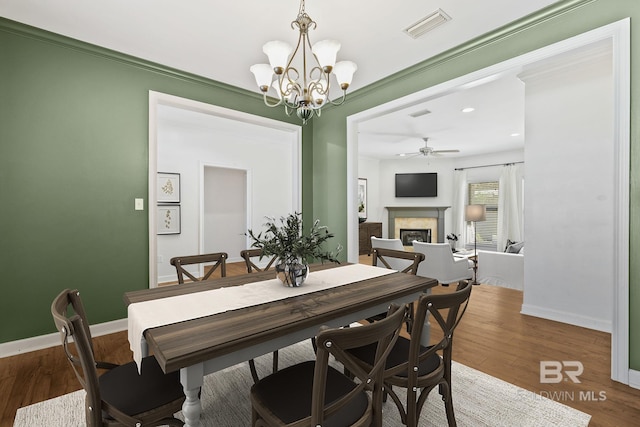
[(420, 113), (427, 24)]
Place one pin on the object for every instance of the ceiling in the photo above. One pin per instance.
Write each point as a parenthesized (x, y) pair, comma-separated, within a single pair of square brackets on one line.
[(221, 40)]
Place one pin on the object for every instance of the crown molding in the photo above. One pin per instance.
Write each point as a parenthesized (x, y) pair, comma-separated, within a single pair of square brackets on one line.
[(24, 30)]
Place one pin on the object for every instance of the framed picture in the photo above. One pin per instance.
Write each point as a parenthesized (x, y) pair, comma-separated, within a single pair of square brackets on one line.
[(168, 219), (362, 197), (168, 190)]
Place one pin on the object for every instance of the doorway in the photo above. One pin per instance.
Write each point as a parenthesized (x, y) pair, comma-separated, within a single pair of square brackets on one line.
[(617, 36)]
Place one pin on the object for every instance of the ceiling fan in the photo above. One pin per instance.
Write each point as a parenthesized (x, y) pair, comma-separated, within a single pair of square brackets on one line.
[(427, 151)]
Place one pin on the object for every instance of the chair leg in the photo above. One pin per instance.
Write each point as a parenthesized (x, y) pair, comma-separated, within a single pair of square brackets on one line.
[(445, 392), (254, 371)]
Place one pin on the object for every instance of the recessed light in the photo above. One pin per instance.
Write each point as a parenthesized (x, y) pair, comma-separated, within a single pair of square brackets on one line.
[(515, 134), (468, 109)]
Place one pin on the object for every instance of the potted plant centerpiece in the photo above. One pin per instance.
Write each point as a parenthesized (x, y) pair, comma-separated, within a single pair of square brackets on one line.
[(294, 249)]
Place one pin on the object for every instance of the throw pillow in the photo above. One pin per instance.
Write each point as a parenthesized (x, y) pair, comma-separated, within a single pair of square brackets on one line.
[(514, 248)]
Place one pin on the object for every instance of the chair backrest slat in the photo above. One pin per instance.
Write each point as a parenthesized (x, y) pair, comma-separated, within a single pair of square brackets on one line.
[(218, 258), (337, 342), (70, 319), (247, 254), (387, 257)]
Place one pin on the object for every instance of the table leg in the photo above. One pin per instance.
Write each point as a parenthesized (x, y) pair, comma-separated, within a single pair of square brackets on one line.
[(192, 378)]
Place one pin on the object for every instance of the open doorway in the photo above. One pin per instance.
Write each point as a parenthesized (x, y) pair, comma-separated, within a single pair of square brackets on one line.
[(616, 36)]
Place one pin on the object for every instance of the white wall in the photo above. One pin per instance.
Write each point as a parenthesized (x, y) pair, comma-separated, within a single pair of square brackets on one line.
[(569, 193), (187, 141), (380, 176)]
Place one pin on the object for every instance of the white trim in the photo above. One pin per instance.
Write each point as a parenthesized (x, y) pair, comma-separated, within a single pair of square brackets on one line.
[(13, 348), (634, 378), (158, 98), (564, 317), (619, 35)]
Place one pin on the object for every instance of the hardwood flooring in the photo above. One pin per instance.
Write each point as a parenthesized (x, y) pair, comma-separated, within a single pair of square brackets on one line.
[(493, 338)]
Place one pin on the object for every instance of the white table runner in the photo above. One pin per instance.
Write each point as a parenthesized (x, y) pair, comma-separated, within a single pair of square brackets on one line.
[(165, 311)]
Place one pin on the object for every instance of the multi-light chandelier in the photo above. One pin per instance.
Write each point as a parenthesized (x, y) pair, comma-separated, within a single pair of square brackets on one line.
[(305, 92)]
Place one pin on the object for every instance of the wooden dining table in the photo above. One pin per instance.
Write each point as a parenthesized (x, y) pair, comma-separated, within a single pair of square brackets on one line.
[(204, 345)]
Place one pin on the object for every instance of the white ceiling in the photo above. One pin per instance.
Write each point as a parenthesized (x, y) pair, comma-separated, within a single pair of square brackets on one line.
[(221, 40)]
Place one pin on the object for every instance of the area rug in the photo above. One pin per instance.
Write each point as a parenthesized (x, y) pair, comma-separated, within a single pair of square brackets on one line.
[(479, 400)]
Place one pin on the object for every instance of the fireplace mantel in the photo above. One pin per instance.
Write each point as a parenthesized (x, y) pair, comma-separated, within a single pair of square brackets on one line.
[(418, 212)]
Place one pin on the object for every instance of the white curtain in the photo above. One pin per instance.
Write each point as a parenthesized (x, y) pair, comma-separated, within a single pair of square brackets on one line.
[(460, 189), (510, 205)]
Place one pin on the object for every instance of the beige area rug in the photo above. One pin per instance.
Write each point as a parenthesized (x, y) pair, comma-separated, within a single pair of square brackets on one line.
[(479, 400)]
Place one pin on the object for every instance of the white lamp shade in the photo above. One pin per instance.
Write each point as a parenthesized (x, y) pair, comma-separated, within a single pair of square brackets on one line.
[(326, 52), (263, 74), (278, 53), (344, 72), (475, 213)]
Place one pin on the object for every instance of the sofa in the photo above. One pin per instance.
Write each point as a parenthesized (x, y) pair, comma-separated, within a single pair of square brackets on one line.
[(501, 269)]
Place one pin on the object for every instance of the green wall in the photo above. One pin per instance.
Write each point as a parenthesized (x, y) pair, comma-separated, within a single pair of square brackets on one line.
[(73, 156), (557, 22)]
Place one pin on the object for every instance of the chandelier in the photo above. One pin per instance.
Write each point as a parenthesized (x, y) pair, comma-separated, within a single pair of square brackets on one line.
[(307, 92)]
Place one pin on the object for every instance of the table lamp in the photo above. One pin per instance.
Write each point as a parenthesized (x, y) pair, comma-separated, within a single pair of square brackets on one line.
[(475, 213)]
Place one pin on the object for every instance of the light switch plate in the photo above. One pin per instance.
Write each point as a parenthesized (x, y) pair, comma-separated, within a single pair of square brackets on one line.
[(139, 204)]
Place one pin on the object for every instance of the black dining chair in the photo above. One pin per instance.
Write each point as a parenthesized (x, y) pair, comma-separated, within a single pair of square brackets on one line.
[(313, 393), (420, 368), (121, 396)]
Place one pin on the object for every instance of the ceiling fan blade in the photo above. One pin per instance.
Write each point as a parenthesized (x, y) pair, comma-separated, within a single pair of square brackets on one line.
[(445, 151), (408, 154)]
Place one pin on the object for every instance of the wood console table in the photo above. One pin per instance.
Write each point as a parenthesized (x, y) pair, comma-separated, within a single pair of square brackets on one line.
[(368, 229)]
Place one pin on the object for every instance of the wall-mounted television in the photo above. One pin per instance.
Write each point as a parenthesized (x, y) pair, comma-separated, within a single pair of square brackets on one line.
[(417, 184)]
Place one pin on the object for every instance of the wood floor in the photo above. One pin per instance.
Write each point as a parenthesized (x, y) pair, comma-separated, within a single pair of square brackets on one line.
[(493, 337)]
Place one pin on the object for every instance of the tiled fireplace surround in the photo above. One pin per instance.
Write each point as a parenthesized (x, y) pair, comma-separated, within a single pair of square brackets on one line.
[(418, 217)]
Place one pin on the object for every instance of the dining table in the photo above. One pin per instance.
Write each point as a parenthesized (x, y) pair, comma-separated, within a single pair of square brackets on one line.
[(230, 320)]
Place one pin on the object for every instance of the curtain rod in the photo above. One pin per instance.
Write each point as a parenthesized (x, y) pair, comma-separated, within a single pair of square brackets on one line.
[(487, 166)]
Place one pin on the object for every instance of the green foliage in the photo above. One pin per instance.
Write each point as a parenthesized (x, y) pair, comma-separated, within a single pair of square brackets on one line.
[(287, 241)]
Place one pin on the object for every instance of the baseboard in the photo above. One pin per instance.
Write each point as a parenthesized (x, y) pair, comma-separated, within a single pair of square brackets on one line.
[(569, 318), (634, 379), (26, 345)]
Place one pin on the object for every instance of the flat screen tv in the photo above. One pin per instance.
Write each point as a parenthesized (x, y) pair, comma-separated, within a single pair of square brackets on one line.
[(417, 184)]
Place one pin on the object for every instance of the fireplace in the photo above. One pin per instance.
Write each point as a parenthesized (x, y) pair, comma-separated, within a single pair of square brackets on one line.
[(408, 235), (417, 218)]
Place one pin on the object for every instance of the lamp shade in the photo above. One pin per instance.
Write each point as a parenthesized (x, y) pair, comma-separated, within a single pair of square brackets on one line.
[(278, 53), (263, 74), (344, 73), (326, 52), (475, 212)]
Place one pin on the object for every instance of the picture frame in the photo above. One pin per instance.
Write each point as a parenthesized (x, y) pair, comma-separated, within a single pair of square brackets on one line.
[(362, 198), (168, 187), (168, 219)]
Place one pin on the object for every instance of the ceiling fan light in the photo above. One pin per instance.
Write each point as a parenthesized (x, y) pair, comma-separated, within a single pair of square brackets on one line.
[(263, 74), (326, 52), (344, 71), (278, 53)]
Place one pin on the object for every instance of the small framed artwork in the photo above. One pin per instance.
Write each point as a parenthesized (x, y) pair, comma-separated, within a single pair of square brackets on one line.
[(362, 197), (168, 219), (168, 187)]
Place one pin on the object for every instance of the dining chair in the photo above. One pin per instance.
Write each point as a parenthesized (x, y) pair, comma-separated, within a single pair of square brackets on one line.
[(121, 396), (219, 259), (391, 258), (419, 368), (247, 254), (440, 264), (313, 393)]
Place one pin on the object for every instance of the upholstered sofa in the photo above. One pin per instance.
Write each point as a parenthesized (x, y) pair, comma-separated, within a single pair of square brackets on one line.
[(501, 269)]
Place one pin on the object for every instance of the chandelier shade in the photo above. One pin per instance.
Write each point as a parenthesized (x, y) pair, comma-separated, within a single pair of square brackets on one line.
[(306, 89)]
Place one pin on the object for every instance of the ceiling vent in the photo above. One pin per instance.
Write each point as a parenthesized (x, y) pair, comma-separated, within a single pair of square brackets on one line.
[(420, 113), (427, 24)]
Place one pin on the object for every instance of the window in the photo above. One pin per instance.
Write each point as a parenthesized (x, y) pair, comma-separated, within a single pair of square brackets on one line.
[(484, 193)]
